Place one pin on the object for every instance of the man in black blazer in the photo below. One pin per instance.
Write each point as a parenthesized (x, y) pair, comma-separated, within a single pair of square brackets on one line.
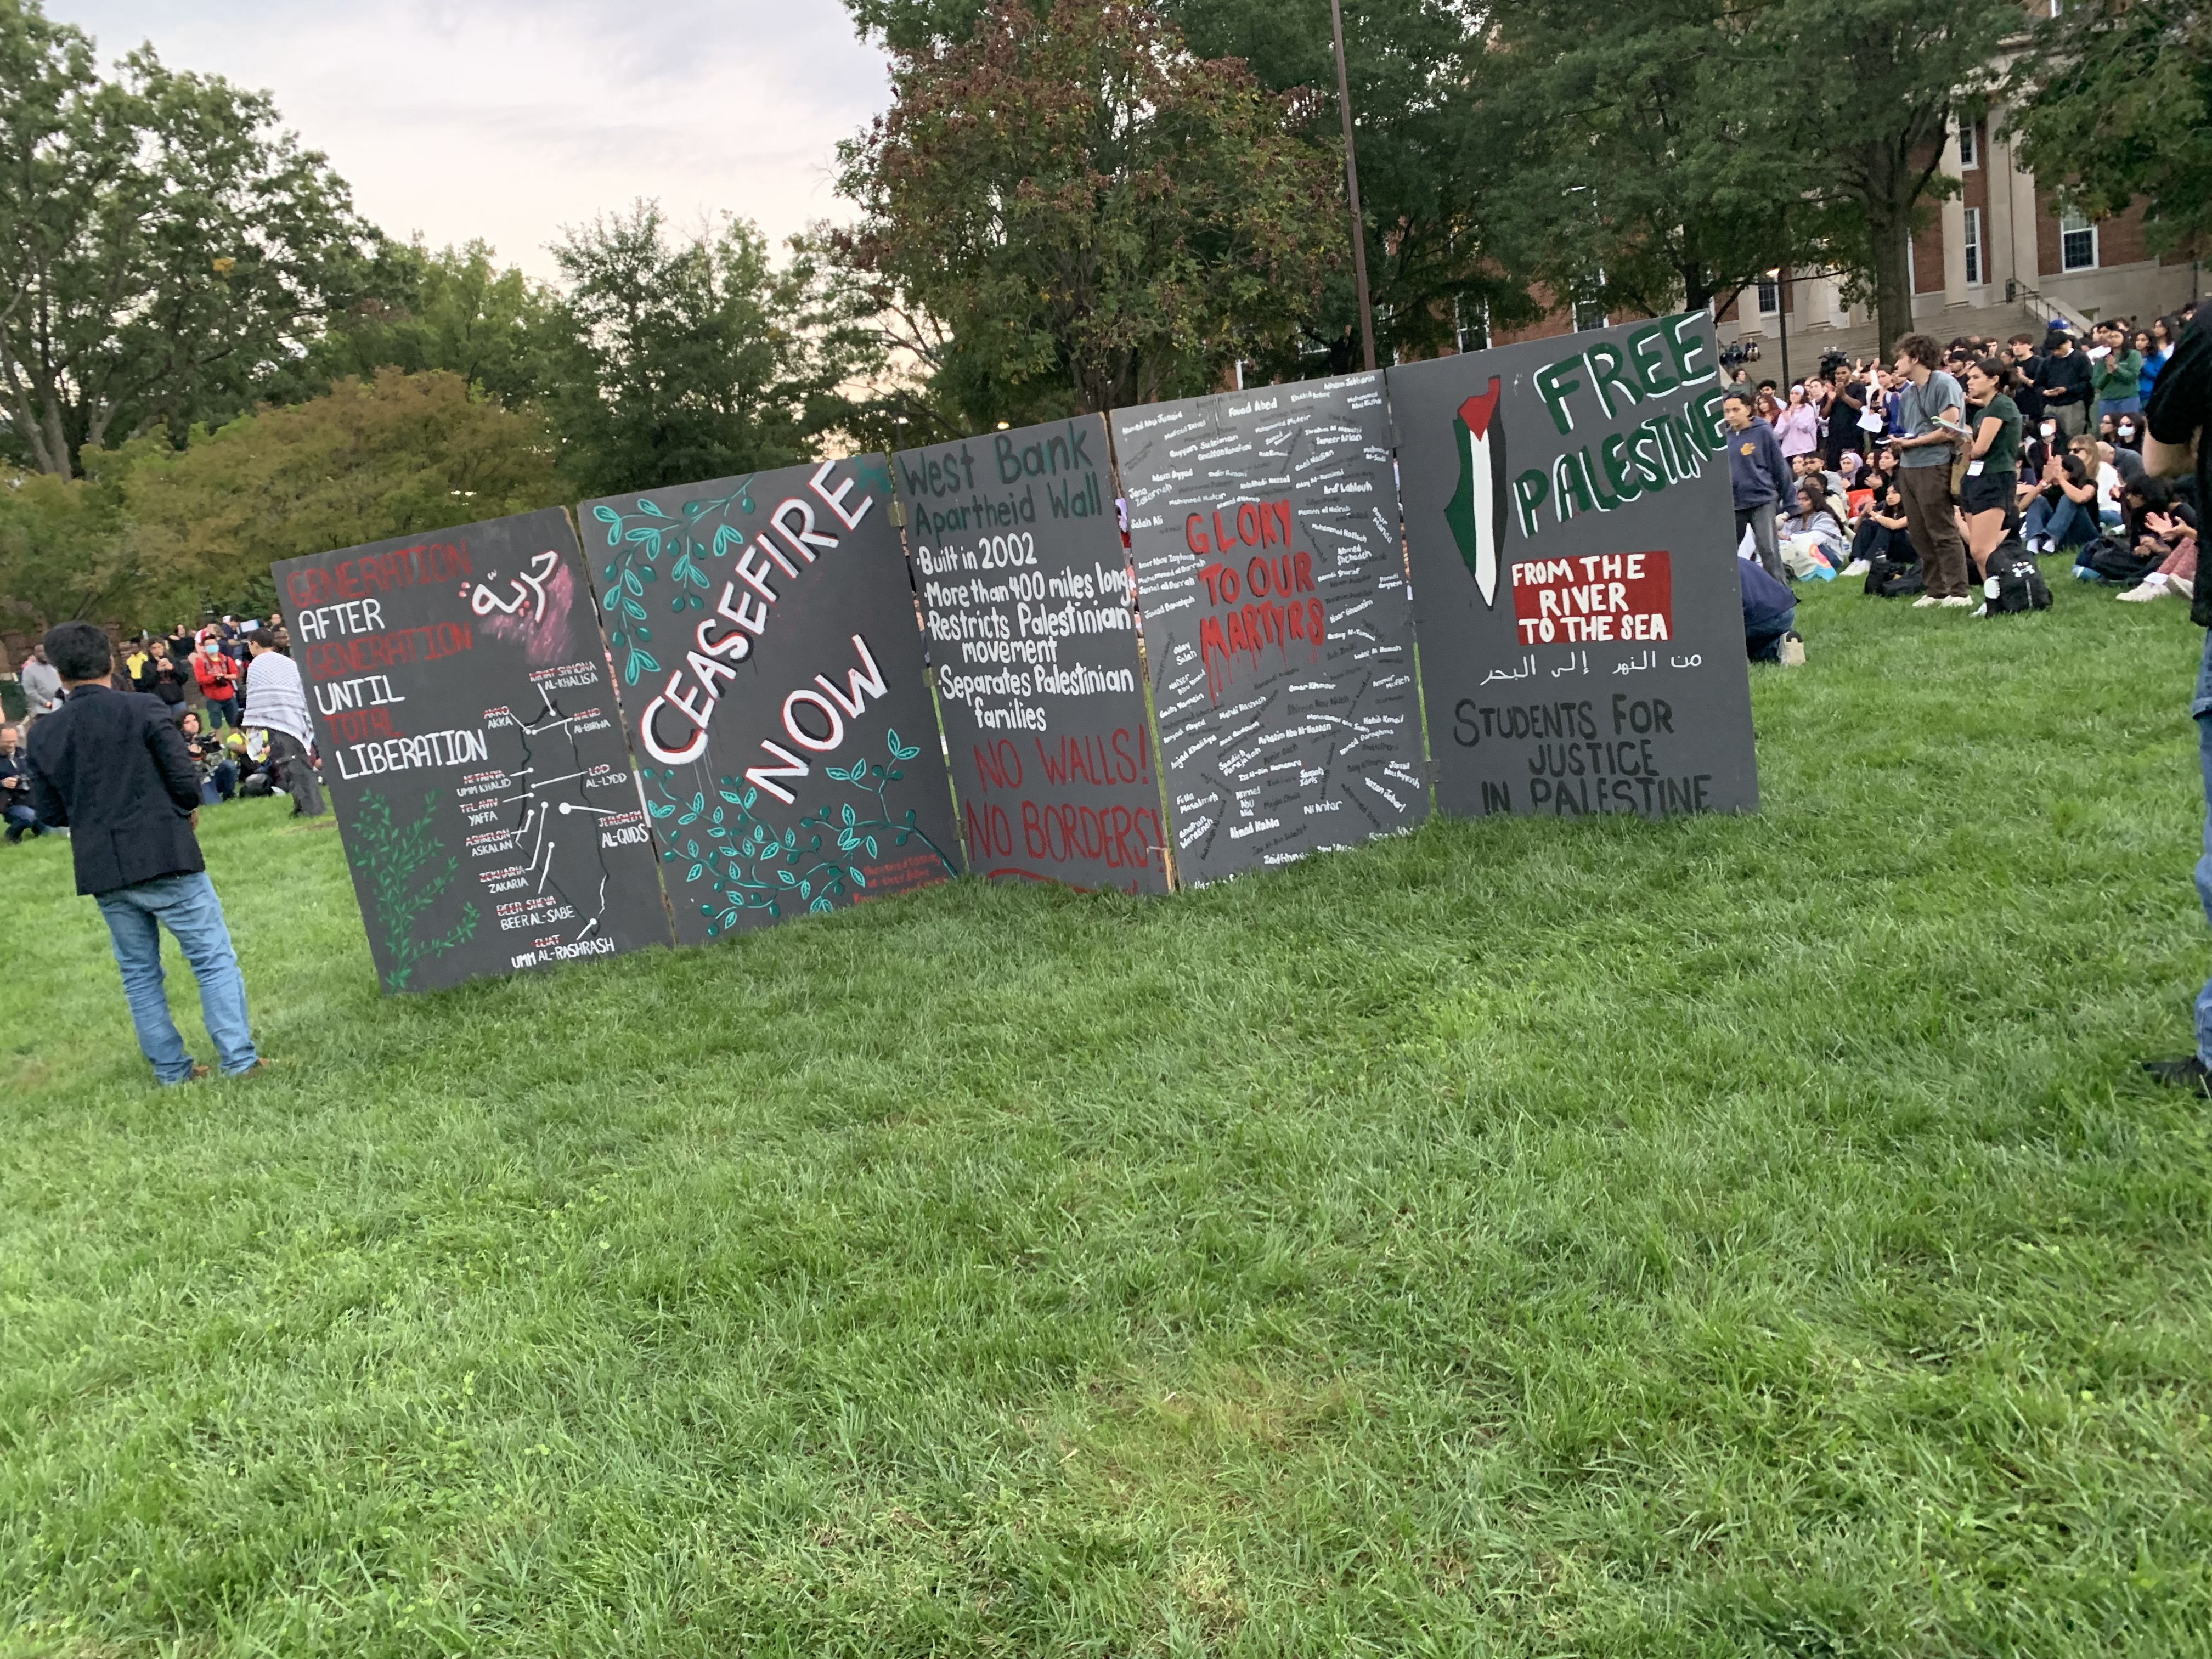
[(112, 767)]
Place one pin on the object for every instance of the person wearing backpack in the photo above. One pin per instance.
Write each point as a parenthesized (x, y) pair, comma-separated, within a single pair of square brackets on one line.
[(2180, 405)]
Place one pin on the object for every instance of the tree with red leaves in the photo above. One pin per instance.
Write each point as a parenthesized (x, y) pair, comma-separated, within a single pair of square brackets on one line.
[(1077, 213)]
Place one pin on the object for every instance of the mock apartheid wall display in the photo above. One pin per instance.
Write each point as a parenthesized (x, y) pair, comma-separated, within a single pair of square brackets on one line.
[(470, 742), (1277, 624), (1568, 515), (770, 667), (1025, 604)]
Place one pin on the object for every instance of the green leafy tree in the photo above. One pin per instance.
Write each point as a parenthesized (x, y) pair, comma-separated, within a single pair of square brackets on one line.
[(454, 310), (683, 358), (1644, 176), (1863, 92), (162, 243), (1092, 215), (1427, 150), (64, 552), (398, 455), (2114, 102)]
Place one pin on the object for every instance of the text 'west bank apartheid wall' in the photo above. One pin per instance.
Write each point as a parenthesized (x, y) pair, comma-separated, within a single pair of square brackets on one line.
[(1025, 604), (769, 666), (1568, 514), (1264, 529), (470, 740)]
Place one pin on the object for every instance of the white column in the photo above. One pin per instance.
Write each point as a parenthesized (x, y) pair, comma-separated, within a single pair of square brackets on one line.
[(1955, 228), (1998, 264)]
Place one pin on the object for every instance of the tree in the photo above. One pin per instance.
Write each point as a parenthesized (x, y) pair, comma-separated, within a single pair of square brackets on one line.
[(1429, 161), (63, 552), (399, 455), (453, 310), (1644, 176), (1095, 215), (2114, 101), (686, 358), (162, 243), (1865, 90)]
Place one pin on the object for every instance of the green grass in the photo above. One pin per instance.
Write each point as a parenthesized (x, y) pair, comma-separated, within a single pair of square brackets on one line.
[(1713, 1237)]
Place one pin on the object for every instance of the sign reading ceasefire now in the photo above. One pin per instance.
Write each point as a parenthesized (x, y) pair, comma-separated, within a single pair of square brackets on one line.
[(1595, 599)]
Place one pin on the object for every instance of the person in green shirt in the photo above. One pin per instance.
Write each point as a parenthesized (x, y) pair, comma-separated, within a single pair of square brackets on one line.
[(2117, 376), (1992, 475)]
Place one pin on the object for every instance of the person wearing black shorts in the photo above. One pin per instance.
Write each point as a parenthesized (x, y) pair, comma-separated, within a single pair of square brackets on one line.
[(1991, 481)]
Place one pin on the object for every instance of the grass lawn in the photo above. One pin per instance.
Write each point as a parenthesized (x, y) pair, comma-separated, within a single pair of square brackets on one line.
[(1721, 1237)]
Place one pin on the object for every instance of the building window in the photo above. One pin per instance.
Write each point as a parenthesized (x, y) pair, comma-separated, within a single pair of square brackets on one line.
[(1588, 303), (1974, 277), (1969, 157), (2077, 242), (1471, 324), (1770, 297)]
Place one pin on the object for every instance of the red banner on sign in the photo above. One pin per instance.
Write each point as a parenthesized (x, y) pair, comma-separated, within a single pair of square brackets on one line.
[(1595, 598)]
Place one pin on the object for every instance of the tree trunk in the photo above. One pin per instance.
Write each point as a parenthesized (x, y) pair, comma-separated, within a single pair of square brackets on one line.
[(1889, 232), (1697, 293)]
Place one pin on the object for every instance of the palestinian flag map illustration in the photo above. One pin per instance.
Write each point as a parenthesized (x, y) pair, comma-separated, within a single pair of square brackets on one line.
[(1476, 512)]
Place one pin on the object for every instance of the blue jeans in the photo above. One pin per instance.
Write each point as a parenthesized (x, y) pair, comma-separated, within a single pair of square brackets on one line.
[(2069, 525), (2119, 406), (2201, 707), (187, 906)]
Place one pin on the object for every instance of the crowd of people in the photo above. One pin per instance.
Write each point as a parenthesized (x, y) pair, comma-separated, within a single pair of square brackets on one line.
[(1916, 473), (231, 691)]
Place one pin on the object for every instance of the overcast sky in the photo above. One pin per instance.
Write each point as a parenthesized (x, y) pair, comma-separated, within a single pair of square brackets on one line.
[(509, 118)]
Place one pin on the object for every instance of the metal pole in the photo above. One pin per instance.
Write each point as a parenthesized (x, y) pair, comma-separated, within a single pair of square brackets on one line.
[(1782, 310), (1352, 185)]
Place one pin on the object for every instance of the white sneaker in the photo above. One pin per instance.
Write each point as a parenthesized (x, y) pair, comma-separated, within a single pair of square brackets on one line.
[(1856, 567), (1957, 602), (2138, 595), (1925, 601)]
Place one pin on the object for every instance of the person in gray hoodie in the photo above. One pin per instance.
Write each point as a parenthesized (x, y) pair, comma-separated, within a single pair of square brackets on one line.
[(1758, 478)]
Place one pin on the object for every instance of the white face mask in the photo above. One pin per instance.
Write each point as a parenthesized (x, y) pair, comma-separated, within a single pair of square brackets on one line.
[(2127, 429)]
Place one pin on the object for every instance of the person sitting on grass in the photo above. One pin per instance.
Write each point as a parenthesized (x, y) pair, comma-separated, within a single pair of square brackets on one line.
[(113, 766), (15, 788), (1815, 527), (218, 777), (1770, 609), (2177, 574), (2064, 513), (1882, 533)]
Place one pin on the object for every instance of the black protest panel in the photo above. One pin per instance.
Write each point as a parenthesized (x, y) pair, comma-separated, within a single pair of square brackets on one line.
[(1569, 519), (1277, 628), (1025, 604), (770, 667), (472, 747)]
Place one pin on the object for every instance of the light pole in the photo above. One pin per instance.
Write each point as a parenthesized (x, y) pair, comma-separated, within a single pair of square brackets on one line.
[(1351, 187)]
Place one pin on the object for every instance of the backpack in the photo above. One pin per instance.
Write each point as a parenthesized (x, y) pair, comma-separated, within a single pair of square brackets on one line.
[(1891, 579), (2014, 582)]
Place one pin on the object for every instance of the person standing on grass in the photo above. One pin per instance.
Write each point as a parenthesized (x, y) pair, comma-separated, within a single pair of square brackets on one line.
[(1992, 480), (1931, 412), (112, 766), (42, 687), (2061, 380), (276, 702), (2118, 374), (218, 680), (1758, 478), (2181, 405)]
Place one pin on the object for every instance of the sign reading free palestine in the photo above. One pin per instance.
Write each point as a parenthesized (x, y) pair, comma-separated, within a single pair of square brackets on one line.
[(1569, 519)]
